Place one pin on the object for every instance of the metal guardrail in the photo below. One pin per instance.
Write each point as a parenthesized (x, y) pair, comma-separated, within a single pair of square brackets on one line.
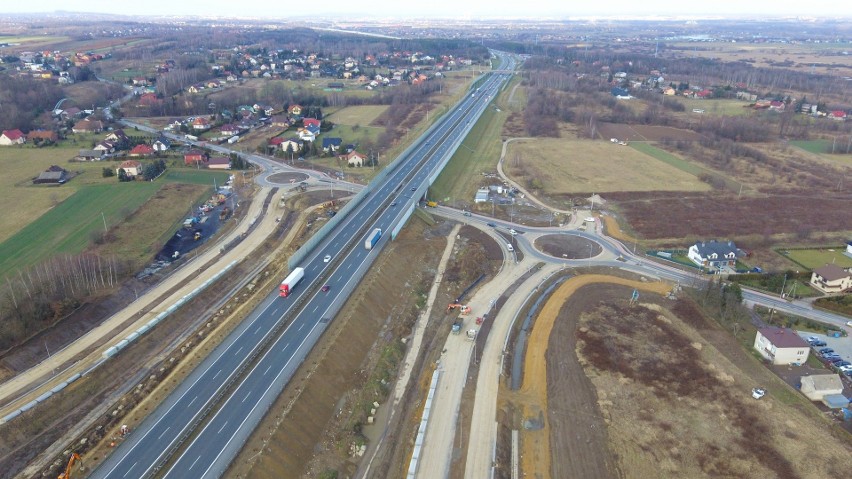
[(424, 423)]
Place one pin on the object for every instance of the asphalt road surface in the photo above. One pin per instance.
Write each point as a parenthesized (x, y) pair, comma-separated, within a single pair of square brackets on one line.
[(215, 446)]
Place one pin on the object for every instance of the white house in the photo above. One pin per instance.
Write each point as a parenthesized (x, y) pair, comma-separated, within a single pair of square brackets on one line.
[(714, 254), (781, 346), (353, 158), (816, 386), (12, 137), (831, 279), (130, 167)]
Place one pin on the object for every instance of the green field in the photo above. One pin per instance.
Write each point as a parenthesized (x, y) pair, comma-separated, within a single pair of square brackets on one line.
[(814, 258), (681, 164), (479, 152), (717, 106), (812, 146), (68, 227)]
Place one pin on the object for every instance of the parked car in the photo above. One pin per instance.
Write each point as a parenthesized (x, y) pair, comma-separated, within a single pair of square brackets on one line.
[(818, 343), (825, 351), (812, 339), (758, 393), (832, 358), (841, 364)]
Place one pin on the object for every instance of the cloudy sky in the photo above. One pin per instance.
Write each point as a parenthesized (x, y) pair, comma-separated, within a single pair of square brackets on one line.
[(444, 8)]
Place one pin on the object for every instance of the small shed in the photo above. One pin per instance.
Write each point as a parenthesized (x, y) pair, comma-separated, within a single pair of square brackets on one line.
[(817, 386)]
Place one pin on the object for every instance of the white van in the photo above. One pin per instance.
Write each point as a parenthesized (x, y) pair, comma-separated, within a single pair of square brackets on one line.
[(509, 247)]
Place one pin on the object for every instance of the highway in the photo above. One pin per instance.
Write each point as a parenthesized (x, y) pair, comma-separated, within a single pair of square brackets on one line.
[(150, 446)]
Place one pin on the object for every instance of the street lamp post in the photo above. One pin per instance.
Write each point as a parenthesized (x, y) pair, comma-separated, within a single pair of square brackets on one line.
[(590, 251)]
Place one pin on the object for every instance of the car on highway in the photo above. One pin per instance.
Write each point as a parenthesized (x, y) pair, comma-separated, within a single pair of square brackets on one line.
[(325, 288), (467, 213), (413, 188), (327, 258), (491, 225), (393, 203), (512, 232)]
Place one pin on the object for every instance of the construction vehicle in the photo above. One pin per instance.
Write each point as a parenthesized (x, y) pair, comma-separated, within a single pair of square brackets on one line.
[(75, 458), (329, 204), (463, 308), (431, 204), (291, 281)]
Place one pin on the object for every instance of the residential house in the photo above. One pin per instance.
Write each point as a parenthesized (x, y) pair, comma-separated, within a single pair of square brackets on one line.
[(816, 386), (838, 115), (161, 144), (117, 137), (49, 136), (194, 158), (353, 158), (219, 163), (88, 125), (331, 145), (149, 99), (12, 137), (53, 175), (141, 150), (781, 346), (309, 133), (294, 145), (306, 122), (130, 167), (200, 124), (105, 146), (281, 121), (776, 105), (229, 129), (715, 254), (90, 155), (831, 279), (295, 110)]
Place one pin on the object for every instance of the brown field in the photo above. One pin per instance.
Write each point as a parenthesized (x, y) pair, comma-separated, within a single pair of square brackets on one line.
[(676, 406), (644, 132), (819, 58), (565, 166), (661, 215)]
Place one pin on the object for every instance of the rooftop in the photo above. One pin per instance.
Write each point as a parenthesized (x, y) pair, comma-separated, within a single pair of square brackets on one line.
[(783, 338)]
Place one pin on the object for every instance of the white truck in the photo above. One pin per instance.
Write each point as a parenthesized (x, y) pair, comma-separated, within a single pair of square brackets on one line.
[(291, 281)]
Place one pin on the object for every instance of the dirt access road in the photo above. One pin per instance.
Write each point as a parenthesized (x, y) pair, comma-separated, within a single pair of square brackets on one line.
[(86, 352), (577, 448)]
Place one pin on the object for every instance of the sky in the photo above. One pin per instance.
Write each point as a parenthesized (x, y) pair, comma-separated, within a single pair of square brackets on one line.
[(462, 9)]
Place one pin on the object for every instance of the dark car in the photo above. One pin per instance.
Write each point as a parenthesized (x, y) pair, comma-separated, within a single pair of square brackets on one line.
[(491, 225), (393, 204), (818, 343), (825, 351), (413, 188), (841, 363), (326, 288)]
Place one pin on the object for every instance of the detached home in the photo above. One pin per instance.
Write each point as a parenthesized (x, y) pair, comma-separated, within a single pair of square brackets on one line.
[(12, 137), (817, 386), (781, 346), (130, 167), (831, 279), (715, 254), (354, 158)]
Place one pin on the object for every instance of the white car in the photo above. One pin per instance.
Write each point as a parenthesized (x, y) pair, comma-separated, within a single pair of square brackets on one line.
[(758, 393), (327, 258), (849, 323)]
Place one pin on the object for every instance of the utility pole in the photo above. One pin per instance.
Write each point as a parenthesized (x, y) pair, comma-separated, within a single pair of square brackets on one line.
[(783, 285)]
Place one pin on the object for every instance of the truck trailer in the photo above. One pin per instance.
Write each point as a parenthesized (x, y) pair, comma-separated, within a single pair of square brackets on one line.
[(373, 238), (291, 281)]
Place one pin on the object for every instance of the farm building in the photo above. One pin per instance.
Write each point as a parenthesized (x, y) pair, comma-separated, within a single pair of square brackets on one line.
[(88, 126), (817, 386), (781, 346), (219, 163), (53, 175), (194, 158), (481, 195), (714, 254), (90, 155), (831, 279)]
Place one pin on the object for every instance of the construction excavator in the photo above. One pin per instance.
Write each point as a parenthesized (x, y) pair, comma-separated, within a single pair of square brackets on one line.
[(75, 458), (463, 308)]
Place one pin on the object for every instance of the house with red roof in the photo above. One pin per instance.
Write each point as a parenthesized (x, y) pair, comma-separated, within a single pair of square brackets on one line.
[(141, 150), (12, 137), (43, 135), (229, 129), (306, 122), (838, 115), (295, 110), (195, 158), (130, 167), (200, 123)]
